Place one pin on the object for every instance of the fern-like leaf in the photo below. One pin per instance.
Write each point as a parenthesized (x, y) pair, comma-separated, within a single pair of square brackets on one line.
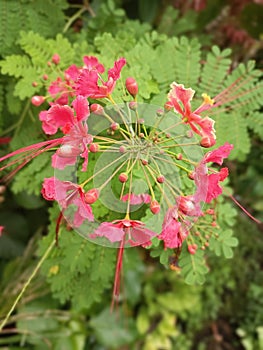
[(78, 271), (193, 267)]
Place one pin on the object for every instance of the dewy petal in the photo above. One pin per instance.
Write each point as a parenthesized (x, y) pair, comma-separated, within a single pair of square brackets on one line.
[(219, 154), (112, 232), (81, 107), (201, 182), (61, 163), (92, 63)]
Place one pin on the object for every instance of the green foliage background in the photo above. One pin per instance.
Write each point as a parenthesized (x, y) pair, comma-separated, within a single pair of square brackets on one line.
[(67, 305)]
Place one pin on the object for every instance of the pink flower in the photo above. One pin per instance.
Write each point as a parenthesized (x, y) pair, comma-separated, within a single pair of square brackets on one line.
[(137, 198), (88, 86), (63, 116), (66, 194), (132, 231), (219, 154), (207, 184), (1, 230), (180, 98), (171, 230), (61, 89)]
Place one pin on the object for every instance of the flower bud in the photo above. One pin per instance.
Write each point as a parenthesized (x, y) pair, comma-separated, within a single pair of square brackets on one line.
[(179, 156), (161, 179), (94, 147), (168, 106), (131, 86), (34, 84), (155, 207), (160, 112), (97, 109), (123, 177), (45, 77), (207, 142), (122, 149), (133, 105), (115, 126), (91, 196), (192, 248), (37, 100), (56, 58)]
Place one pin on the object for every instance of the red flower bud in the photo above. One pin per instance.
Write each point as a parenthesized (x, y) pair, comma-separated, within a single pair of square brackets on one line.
[(56, 58), (97, 109), (131, 86), (155, 207), (34, 84), (192, 248), (161, 179), (123, 177), (94, 147), (91, 196), (133, 105), (207, 142), (37, 100), (179, 156), (115, 126), (122, 149), (45, 77)]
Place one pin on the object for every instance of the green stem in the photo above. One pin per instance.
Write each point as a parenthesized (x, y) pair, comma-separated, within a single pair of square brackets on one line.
[(36, 269)]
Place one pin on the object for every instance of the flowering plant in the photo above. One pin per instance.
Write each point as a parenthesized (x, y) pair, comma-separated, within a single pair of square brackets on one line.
[(132, 174)]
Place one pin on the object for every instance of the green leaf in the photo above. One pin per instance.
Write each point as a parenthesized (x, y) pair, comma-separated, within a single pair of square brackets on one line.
[(193, 266), (78, 270), (121, 332), (223, 244)]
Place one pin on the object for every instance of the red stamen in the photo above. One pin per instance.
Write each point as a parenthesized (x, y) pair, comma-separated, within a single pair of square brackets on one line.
[(57, 226), (244, 210), (117, 278)]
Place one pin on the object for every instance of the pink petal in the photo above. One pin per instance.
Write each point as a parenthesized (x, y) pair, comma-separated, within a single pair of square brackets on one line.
[(92, 63), (61, 163), (115, 72), (214, 190), (72, 73), (219, 154), (48, 189), (81, 107), (59, 116)]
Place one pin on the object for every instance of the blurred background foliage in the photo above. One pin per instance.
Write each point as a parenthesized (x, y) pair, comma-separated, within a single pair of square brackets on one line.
[(159, 311)]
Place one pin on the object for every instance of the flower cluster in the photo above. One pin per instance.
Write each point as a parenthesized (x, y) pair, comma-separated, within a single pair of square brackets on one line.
[(143, 166)]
